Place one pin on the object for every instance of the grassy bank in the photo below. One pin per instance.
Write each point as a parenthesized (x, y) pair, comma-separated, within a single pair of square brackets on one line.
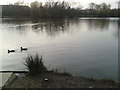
[(59, 80), (40, 77)]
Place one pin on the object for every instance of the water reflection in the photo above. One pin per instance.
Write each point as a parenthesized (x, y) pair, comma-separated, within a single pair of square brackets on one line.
[(99, 25), (119, 50), (54, 27)]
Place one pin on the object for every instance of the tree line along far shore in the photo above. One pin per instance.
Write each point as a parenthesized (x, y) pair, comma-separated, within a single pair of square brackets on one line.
[(58, 10)]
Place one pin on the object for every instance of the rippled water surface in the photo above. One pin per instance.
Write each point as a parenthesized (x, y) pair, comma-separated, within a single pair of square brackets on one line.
[(82, 46)]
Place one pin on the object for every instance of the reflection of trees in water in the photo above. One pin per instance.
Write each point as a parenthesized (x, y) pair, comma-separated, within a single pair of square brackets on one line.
[(116, 25), (53, 27), (119, 27), (98, 24), (104, 25), (14, 21), (18, 25), (115, 33)]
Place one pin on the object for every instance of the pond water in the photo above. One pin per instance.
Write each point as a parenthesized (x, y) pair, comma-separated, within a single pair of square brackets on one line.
[(82, 46)]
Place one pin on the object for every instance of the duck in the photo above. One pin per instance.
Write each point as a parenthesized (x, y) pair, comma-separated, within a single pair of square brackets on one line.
[(9, 51), (23, 48)]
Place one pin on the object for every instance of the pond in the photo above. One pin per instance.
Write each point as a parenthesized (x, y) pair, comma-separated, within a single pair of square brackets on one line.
[(82, 46)]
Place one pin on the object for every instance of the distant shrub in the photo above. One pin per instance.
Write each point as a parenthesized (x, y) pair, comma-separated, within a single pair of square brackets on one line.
[(35, 65)]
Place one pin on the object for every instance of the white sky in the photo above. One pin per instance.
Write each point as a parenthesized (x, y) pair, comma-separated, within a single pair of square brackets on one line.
[(84, 3)]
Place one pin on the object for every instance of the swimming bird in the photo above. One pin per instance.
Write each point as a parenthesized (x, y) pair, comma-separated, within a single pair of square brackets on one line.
[(9, 51), (23, 48)]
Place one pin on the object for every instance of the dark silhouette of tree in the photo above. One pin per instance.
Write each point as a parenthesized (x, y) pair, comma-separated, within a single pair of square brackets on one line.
[(59, 10)]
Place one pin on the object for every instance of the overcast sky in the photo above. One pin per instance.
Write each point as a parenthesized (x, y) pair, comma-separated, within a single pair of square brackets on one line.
[(84, 3)]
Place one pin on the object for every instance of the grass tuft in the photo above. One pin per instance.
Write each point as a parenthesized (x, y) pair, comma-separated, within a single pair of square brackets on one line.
[(35, 65)]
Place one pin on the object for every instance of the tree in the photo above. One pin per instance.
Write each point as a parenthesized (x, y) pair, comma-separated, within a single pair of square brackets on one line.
[(19, 2), (35, 9), (92, 6)]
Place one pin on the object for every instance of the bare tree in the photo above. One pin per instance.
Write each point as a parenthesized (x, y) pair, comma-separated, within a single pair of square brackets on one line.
[(92, 6)]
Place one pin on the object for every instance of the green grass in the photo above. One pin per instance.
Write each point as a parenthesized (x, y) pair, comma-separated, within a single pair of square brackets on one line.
[(35, 65)]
